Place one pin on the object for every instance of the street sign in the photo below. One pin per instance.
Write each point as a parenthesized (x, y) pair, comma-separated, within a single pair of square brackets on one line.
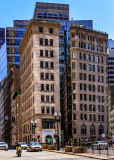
[(6, 117), (33, 136)]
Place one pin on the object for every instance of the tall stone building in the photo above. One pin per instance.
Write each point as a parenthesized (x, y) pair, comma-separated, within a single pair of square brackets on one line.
[(89, 83), (39, 70)]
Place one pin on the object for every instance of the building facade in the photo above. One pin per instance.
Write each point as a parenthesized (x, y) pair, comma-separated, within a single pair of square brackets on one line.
[(89, 83), (39, 71), (2, 36), (51, 11)]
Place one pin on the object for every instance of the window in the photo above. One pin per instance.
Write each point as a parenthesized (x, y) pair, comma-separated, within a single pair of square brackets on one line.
[(94, 108), (80, 76), (80, 65), (41, 29), (52, 87), (93, 68), (48, 123), (97, 58), (98, 98), (83, 129), (73, 55), (80, 86), (102, 108), (102, 98), (51, 30), (51, 42), (51, 53), (47, 98), (47, 87), (101, 69), (85, 107), (93, 98), (42, 98), (47, 75), (74, 116), (102, 80), (73, 43), (89, 87), (93, 58), (73, 75), (81, 116), (89, 77), (89, 97), (90, 117), (52, 76), (74, 106), (98, 108), (85, 97), (74, 96), (47, 110), (89, 57), (101, 59), (99, 117), (84, 76), (43, 109), (41, 64), (94, 117), (42, 87), (73, 86), (80, 55), (81, 97), (98, 69), (51, 65), (92, 130), (89, 67), (73, 65), (81, 107), (41, 53), (90, 107), (41, 41), (46, 41), (73, 35), (93, 88), (98, 78), (46, 53), (84, 56), (74, 130), (101, 130), (52, 110), (84, 87), (84, 66), (98, 88), (93, 78), (52, 98), (85, 117), (41, 75), (102, 89)]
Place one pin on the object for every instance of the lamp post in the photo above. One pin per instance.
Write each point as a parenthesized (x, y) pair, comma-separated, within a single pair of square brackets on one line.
[(57, 119), (33, 122)]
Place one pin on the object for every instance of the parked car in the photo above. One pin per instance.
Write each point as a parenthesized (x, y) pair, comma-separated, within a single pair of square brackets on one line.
[(34, 146), (23, 145), (99, 145), (3, 146)]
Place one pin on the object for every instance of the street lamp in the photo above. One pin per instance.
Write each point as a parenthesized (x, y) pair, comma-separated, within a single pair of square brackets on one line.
[(57, 119), (33, 128)]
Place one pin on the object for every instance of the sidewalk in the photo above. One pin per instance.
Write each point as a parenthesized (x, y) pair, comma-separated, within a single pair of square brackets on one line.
[(89, 155)]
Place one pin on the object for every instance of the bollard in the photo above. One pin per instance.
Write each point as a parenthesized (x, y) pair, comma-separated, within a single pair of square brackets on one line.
[(99, 150)]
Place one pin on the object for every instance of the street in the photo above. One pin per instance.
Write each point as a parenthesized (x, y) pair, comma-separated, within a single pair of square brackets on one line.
[(11, 155)]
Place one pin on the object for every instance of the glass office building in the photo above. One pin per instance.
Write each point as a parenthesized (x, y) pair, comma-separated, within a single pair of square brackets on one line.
[(3, 62), (2, 36)]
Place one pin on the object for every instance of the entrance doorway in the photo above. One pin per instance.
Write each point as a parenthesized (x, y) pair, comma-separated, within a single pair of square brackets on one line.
[(48, 139)]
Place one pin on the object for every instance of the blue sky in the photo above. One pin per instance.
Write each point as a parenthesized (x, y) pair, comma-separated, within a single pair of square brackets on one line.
[(100, 11)]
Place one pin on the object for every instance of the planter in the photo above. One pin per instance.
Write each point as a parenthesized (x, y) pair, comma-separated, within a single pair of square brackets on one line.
[(45, 147), (79, 150), (51, 147), (68, 149)]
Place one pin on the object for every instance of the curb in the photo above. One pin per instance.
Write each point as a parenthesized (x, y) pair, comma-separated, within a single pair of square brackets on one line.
[(77, 154)]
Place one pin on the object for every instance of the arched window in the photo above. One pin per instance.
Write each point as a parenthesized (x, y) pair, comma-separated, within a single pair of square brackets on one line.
[(80, 55), (101, 129), (84, 56), (83, 129), (92, 130)]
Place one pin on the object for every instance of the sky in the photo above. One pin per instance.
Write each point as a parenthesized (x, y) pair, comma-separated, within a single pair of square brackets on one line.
[(100, 11)]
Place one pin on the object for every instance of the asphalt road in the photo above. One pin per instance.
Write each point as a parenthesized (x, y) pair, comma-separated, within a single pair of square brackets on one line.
[(44, 155)]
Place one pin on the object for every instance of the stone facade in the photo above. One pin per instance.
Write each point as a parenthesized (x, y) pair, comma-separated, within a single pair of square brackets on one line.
[(39, 68), (89, 83)]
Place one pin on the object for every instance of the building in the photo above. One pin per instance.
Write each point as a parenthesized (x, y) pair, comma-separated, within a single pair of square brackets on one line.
[(3, 62), (39, 70), (2, 36), (89, 83), (14, 36), (51, 11), (110, 44)]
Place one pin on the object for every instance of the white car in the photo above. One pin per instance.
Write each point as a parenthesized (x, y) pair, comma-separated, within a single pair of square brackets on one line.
[(3, 146), (34, 146), (99, 145), (23, 145)]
